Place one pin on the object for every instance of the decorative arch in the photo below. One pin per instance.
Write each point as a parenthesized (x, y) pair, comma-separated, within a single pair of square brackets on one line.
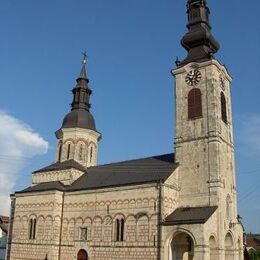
[(170, 238), (143, 228), (229, 247), (40, 227), (213, 248), (194, 104), (107, 228), (182, 246), (97, 228)]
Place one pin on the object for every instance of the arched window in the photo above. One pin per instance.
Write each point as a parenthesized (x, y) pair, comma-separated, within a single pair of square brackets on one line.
[(194, 104), (68, 152), (122, 225), (119, 228), (60, 150), (32, 228), (91, 153), (223, 108), (81, 152)]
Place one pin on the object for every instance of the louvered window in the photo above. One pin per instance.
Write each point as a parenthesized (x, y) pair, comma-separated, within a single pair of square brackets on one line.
[(194, 104)]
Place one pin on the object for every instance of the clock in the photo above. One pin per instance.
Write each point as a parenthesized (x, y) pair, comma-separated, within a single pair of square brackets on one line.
[(222, 82), (193, 77)]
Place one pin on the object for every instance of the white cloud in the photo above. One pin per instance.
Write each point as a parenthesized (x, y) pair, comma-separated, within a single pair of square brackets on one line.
[(248, 133), (18, 143)]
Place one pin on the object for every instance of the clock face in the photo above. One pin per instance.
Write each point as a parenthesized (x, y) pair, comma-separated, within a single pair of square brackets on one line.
[(193, 77), (222, 82)]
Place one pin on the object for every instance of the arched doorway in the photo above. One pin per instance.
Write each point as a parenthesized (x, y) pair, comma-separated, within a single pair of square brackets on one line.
[(182, 247), (82, 255)]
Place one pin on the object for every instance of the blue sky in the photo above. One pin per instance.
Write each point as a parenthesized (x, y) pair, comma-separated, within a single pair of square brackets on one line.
[(132, 46)]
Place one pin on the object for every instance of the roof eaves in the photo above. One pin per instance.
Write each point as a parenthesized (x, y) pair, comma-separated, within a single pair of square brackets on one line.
[(115, 185)]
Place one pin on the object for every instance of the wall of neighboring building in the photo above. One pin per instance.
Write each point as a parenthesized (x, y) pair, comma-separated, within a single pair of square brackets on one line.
[(3, 241)]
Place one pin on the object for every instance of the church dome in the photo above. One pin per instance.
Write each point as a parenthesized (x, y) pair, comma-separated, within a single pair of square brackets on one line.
[(80, 118)]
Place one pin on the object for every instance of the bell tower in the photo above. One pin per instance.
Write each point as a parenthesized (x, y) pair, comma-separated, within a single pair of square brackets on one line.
[(78, 137), (204, 136)]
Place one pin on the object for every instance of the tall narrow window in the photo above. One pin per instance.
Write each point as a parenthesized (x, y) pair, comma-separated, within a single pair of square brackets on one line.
[(60, 150), (32, 229), (122, 226), (68, 152), (81, 152), (91, 153), (223, 108), (119, 228), (194, 104)]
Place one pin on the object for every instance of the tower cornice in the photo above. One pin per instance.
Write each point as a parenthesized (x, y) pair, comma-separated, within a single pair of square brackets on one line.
[(201, 65)]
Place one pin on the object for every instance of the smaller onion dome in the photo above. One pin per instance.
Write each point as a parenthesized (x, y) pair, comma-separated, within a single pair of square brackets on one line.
[(80, 116)]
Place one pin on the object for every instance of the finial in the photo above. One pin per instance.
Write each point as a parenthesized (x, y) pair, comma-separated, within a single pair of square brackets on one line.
[(84, 61)]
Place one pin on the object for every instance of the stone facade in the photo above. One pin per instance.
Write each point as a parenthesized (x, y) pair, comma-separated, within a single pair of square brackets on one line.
[(78, 144), (61, 217), (131, 220)]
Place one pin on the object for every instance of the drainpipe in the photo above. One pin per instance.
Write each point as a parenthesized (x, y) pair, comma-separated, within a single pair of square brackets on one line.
[(159, 220), (61, 223)]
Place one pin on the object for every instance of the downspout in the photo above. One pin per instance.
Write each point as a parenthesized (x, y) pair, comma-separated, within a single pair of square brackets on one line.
[(61, 223), (159, 220)]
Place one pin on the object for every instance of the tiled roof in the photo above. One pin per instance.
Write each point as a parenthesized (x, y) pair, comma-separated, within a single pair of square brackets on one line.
[(62, 166), (151, 169), (139, 171), (45, 186), (188, 215)]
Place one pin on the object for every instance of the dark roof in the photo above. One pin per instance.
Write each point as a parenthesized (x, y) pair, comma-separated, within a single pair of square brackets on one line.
[(80, 115), (139, 171), (4, 219), (199, 40), (188, 215), (151, 169), (80, 118), (45, 186), (62, 166), (253, 241)]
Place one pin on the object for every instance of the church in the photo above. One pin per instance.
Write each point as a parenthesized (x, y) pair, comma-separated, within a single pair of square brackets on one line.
[(181, 205)]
